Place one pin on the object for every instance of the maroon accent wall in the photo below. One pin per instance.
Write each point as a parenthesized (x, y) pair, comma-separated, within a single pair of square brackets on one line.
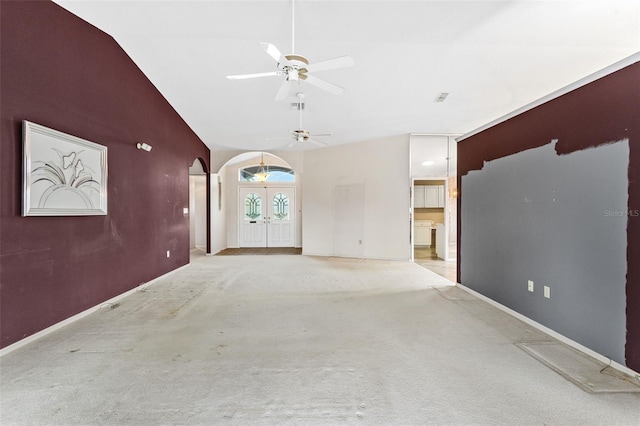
[(606, 110), (61, 72)]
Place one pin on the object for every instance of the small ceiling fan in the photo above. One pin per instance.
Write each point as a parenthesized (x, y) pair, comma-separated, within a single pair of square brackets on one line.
[(296, 67), (301, 135)]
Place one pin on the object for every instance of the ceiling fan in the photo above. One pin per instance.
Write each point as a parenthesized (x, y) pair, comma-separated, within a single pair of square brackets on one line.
[(296, 67), (301, 135)]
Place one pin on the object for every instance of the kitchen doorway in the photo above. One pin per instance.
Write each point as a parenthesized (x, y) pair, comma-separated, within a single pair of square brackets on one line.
[(434, 203)]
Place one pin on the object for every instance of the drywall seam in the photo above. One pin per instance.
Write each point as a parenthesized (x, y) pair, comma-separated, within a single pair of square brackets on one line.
[(57, 326)]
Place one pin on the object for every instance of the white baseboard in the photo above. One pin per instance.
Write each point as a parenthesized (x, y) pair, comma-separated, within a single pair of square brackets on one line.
[(554, 334), (76, 317)]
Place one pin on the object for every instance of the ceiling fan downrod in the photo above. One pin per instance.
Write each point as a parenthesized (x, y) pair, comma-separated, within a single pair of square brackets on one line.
[(293, 26)]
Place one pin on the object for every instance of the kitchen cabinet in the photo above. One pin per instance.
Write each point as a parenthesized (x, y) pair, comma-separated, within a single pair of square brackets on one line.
[(422, 232), (419, 196), (428, 196)]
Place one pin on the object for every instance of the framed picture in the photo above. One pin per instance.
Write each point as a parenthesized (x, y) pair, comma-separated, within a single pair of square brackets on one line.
[(63, 175)]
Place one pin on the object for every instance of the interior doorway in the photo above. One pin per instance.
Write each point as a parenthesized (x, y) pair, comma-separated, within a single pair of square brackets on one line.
[(197, 208), (266, 216), (434, 203)]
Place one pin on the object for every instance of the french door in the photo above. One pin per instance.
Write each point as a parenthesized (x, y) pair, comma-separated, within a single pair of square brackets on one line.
[(266, 217)]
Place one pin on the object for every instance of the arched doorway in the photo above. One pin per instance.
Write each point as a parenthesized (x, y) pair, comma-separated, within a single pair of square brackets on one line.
[(198, 208), (272, 217)]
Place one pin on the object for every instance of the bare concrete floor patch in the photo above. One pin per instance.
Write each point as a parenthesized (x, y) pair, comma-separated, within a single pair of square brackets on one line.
[(580, 369)]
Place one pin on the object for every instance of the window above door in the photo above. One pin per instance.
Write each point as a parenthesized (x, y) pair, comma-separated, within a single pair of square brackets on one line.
[(274, 174)]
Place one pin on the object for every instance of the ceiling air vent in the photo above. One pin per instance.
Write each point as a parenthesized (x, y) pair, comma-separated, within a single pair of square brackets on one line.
[(441, 97)]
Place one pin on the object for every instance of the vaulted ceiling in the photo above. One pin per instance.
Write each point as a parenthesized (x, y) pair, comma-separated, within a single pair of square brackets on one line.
[(492, 57)]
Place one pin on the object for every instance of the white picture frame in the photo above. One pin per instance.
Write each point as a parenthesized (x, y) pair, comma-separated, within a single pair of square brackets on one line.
[(63, 175)]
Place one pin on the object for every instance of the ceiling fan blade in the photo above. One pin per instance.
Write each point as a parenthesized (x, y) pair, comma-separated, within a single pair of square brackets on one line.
[(283, 91), (330, 64), (320, 134), (324, 85), (316, 142), (256, 75), (271, 50)]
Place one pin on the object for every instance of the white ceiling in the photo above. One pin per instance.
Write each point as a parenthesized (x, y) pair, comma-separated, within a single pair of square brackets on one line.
[(491, 56)]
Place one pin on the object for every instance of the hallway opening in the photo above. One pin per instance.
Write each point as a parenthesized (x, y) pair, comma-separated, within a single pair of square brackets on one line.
[(197, 210)]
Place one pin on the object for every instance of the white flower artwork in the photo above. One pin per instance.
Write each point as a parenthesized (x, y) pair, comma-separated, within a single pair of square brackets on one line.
[(63, 174)]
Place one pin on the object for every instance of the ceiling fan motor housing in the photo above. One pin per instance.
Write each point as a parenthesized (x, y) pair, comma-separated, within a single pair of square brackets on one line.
[(295, 70), (296, 60)]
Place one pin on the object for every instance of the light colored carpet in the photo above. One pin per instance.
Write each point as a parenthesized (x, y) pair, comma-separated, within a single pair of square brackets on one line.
[(296, 340)]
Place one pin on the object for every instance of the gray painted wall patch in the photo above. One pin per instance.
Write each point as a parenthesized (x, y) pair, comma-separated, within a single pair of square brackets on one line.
[(539, 216)]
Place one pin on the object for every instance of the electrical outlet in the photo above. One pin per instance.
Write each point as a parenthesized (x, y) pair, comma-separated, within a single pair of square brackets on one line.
[(547, 292), (530, 286), (168, 253)]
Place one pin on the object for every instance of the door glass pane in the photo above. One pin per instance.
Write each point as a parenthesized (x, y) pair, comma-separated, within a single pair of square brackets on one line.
[(252, 206), (280, 206)]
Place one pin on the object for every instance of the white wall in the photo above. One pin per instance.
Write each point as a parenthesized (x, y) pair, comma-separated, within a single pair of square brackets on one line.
[(372, 177), (218, 216), (197, 211), (192, 209), (201, 211), (230, 189)]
